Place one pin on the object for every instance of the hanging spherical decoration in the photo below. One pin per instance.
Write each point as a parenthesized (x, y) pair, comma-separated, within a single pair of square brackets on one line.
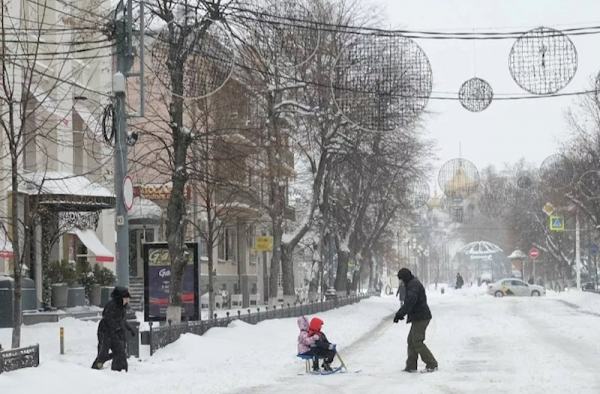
[(418, 193), (285, 33), (557, 172), (382, 83), (543, 61), (458, 178), (205, 56), (524, 181), (589, 184), (475, 94)]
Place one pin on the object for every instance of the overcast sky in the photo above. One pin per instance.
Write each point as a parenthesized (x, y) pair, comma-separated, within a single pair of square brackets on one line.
[(507, 130)]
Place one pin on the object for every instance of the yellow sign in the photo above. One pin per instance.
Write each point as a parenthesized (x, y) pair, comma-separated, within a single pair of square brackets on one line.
[(264, 244)]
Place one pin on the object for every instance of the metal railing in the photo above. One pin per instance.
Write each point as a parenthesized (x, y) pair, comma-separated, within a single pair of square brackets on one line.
[(13, 359), (164, 335)]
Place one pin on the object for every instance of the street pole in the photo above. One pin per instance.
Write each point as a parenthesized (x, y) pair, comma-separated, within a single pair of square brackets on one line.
[(577, 251), (124, 62)]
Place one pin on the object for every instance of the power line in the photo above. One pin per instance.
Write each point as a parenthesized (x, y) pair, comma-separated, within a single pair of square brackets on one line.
[(308, 24)]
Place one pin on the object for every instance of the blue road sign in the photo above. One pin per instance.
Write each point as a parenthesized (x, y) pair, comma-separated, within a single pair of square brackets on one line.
[(557, 223)]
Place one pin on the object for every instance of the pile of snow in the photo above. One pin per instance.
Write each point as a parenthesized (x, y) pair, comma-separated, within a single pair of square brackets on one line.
[(254, 354)]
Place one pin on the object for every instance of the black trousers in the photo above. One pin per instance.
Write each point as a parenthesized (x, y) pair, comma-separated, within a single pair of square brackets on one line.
[(321, 353), (111, 347)]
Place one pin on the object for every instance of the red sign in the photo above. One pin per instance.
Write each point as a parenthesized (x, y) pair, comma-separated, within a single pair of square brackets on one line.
[(534, 253)]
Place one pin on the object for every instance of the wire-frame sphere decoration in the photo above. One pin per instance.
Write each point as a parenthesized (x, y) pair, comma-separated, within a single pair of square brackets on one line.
[(589, 184), (524, 181), (382, 83), (557, 171), (458, 178), (200, 60), (285, 33), (418, 193), (543, 61), (475, 94)]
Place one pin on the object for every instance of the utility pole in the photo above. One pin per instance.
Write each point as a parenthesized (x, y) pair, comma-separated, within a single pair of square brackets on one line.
[(124, 62), (125, 56)]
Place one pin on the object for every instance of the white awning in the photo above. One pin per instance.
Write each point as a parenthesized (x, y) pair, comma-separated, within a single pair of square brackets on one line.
[(62, 183), (144, 209), (94, 245), (6, 249)]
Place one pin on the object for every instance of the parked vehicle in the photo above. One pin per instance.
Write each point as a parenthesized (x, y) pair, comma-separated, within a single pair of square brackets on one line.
[(515, 287), (588, 286)]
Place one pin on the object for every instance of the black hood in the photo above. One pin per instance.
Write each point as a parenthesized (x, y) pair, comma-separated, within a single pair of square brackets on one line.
[(405, 275), (120, 292)]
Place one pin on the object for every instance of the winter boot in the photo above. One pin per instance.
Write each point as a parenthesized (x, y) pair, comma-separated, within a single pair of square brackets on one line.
[(327, 367), (315, 366)]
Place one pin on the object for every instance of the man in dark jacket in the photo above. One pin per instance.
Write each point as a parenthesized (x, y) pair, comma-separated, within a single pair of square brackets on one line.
[(111, 331), (459, 281), (415, 306)]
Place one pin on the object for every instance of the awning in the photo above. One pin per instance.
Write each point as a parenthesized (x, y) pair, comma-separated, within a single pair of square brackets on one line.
[(94, 245), (65, 191), (144, 212), (6, 249)]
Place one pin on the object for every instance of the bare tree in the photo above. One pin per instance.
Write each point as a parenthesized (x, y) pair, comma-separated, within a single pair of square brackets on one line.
[(184, 27)]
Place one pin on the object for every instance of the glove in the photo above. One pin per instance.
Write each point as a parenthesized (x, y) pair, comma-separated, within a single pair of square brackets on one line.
[(398, 317), (331, 346)]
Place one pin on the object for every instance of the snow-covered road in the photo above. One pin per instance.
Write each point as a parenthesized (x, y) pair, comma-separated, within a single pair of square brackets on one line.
[(483, 344), (511, 345)]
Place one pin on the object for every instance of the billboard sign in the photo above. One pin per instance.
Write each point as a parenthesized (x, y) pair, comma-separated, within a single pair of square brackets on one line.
[(157, 281)]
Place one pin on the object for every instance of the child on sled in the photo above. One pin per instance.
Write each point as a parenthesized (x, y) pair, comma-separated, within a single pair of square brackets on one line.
[(312, 341)]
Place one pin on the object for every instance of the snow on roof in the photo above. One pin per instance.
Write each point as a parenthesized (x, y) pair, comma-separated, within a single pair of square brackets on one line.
[(144, 209), (56, 182)]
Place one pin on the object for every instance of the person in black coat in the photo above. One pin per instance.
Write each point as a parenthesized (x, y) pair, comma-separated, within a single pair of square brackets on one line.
[(459, 281), (111, 331), (415, 306)]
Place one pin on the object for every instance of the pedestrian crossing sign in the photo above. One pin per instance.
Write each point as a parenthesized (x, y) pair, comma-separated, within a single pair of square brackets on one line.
[(557, 223)]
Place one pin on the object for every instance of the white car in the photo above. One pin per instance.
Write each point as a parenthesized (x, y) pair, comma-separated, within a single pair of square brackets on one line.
[(515, 287)]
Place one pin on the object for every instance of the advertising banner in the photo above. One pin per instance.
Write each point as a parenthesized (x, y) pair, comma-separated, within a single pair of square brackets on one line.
[(157, 281)]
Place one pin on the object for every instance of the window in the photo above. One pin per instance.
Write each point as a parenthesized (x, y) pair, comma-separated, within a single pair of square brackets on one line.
[(227, 244), (518, 283)]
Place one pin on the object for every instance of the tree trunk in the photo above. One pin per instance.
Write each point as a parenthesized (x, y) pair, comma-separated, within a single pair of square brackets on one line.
[(341, 275), (176, 215), (17, 263), (275, 260), (287, 266), (211, 277)]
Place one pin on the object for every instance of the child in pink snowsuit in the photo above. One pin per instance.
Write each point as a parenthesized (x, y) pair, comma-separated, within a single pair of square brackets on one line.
[(305, 341)]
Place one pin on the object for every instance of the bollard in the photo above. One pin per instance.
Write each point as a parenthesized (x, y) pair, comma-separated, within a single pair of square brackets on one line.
[(62, 340)]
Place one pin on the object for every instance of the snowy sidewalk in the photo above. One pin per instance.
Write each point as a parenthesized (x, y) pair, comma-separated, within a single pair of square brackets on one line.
[(224, 359)]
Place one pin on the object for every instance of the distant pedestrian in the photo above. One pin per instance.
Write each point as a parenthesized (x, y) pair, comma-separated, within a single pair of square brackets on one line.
[(111, 332), (415, 306), (531, 280), (459, 281)]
